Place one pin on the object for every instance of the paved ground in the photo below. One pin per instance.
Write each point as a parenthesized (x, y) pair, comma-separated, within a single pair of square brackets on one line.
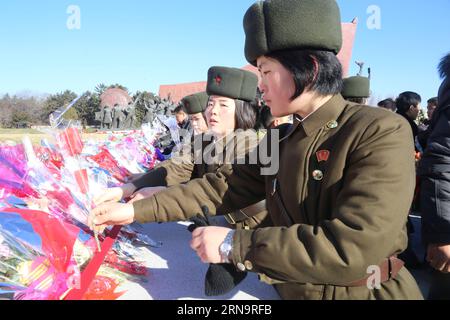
[(177, 273)]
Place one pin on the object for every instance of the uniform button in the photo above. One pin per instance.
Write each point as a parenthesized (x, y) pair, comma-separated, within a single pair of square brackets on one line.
[(248, 265), (332, 124), (240, 266), (317, 175)]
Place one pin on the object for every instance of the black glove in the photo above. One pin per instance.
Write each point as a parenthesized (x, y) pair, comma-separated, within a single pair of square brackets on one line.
[(220, 278)]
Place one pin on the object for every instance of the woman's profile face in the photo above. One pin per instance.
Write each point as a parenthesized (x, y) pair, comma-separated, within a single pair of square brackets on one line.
[(181, 117), (199, 123), (220, 115), (278, 86)]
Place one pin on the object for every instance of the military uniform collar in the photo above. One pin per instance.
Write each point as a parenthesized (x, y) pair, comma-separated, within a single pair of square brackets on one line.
[(325, 116)]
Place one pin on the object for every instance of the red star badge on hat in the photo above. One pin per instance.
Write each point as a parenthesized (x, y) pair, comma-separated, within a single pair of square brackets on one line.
[(218, 80)]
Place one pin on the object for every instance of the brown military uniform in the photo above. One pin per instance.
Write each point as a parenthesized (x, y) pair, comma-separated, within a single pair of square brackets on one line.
[(183, 169), (345, 212)]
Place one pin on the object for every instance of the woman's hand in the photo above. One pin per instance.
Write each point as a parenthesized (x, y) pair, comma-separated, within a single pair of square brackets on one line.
[(145, 193), (439, 257), (206, 242), (115, 194), (111, 214)]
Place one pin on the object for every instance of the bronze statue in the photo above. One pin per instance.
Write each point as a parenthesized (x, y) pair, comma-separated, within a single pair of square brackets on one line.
[(130, 112), (107, 118), (150, 112), (361, 67), (118, 118)]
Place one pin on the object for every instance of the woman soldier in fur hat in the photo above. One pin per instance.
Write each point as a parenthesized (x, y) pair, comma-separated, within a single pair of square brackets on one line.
[(229, 108)]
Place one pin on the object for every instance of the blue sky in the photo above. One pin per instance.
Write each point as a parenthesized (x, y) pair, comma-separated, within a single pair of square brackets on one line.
[(142, 44)]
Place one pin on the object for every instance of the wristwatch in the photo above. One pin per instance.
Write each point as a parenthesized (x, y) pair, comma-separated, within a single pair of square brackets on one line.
[(226, 248)]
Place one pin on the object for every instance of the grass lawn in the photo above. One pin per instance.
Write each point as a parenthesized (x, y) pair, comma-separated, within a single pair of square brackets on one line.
[(16, 135), (18, 131)]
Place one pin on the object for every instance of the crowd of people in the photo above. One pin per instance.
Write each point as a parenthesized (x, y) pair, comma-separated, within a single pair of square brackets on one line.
[(338, 203)]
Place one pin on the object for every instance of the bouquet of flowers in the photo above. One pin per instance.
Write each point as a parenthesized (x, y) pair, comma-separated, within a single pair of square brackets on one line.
[(42, 258), (46, 194), (13, 255)]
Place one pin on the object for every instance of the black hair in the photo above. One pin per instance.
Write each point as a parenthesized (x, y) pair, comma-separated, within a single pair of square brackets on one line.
[(315, 70), (406, 100), (246, 114), (433, 101), (265, 117), (444, 67), (203, 115), (388, 104), (179, 108)]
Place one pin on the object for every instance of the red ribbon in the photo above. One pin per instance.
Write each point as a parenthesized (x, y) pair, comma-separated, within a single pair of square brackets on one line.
[(58, 245), (91, 270), (58, 237), (71, 141)]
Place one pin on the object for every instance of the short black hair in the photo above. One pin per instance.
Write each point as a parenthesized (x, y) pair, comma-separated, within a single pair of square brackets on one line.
[(315, 70), (246, 114), (388, 103), (179, 108), (433, 101), (407, 99)]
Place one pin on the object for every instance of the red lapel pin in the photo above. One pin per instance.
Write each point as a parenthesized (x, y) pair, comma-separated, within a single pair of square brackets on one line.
[(322, 155)]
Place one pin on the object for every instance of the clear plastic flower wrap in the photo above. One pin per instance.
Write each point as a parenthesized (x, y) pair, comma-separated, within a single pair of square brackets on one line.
[(61, 201), (37, 251), (46, 194), (43, 258)]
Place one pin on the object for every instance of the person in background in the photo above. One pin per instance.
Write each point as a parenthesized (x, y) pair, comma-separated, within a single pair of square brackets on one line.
[(408, 106), (195, 106), (424, 134), (182, 118), (431, 107), (271, 122), (356, 89), (434, 172), (388, 104)]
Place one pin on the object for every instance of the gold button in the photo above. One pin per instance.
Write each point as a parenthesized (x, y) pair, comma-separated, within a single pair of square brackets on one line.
[(248, 265), (317, 175), (240, 266), (332, 124)]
